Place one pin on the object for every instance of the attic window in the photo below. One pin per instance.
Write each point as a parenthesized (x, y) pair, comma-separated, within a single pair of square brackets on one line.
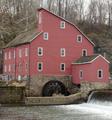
[(45, 36), (99, 73), (84, 52), (62, 25), (79, 38)]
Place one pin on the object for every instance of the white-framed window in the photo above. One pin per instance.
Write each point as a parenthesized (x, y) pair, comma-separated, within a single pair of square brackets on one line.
[(14, 54), (79, 38), (5, 55), (62, 52), (62, 24), (9, 68), (62, 67), (26, 51), (45, 36), (9, 55), (81, 74), (84, 52), (39, 66), (5, 68), (20, 53), (99, 73), (40, 18), (40, 51)]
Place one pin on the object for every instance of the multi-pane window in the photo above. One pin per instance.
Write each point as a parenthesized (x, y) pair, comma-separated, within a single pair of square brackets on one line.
[(9, 55), (39, 66), (62, 67), (20, 53), (100, 73), (62, 52), (45, 36), (62, 25), (26, 51), (81, 74), (79, 38), (84, 52), (5, 55), (40, 51)]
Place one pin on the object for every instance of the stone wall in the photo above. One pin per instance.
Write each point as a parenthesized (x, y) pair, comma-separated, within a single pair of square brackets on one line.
[(55, 100), (86, 87), (37, 83), (11, 94)]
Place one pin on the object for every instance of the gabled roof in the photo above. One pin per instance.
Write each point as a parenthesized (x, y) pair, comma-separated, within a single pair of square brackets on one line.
[(89, 59), (23, 38), (69, 23)]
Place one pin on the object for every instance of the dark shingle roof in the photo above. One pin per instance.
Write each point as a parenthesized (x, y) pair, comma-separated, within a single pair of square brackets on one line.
[(86, 59), (23, 38)]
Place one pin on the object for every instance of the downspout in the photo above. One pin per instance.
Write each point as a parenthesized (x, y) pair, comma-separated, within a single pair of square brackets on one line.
[(15, 61)]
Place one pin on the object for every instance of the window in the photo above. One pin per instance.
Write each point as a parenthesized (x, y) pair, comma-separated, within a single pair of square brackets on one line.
[(39, 66), (100, 74), (5, 68), (9, 68), (20, 67), (5, 56), (84, 52), (62, 52), (62, 66), (40, 17), (79, 38), (26, 51), (9, 55), (45, 36), (81, 74), (62, 25), (26, 66), (40, 51), (20, 53)]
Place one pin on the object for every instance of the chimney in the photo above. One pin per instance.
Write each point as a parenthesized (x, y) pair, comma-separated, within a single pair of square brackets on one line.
[(104, 54)]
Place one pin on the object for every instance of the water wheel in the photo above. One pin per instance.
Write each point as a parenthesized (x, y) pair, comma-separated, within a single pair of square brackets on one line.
[(54, 87)]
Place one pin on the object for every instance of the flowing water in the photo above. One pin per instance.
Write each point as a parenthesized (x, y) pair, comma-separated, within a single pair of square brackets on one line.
[(94, 110)]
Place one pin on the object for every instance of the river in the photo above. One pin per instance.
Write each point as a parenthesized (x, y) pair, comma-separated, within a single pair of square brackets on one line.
[(84, 111)]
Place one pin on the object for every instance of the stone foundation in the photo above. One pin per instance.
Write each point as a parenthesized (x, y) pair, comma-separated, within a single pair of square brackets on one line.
[(37, 83)]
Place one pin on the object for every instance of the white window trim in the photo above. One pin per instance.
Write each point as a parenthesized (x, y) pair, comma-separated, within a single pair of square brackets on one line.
[(9, 55), (61, 51), (26, 51), (101, 74), (61, 67), (81, 77), (45, 36), (78, 37), (83, 51), (41, 51), (62, 24), (20, 53), (41, 66)]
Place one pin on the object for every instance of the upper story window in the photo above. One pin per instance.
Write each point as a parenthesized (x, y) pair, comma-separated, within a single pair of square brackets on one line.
[(62, 52), (81, 74), (62, 67), (45, 36), (79, 38), (40, 66), (5, 55), (99, 73), (84, 52), (62, 25), (40, 51), (9, 55), (40, 18), (20, 53), (26, 51)]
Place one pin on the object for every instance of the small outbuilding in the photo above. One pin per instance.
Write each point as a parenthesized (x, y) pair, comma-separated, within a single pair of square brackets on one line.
[(94, 68)]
